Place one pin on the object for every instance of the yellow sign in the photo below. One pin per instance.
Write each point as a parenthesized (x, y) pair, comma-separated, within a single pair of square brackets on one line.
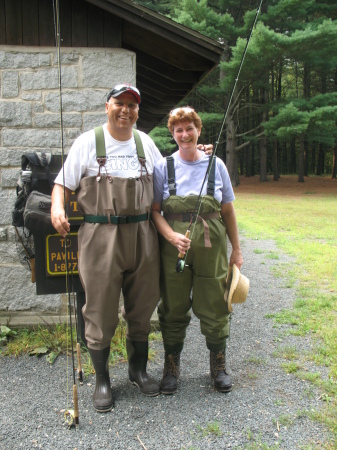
[(61, 251), (73, 213)]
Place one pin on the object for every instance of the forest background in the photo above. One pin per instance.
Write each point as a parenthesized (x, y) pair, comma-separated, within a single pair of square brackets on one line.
[(282, 118)]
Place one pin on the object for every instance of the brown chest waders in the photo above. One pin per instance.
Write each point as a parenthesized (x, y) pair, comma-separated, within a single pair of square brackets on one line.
[(205, 275), (118, 250)]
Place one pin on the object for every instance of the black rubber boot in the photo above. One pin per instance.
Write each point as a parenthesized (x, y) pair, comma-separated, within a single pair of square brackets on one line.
[(171, 373), (102, 397), (221, 380), (138, 356)]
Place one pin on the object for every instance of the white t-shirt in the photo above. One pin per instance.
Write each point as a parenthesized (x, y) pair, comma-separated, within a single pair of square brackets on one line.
[(189, 177), (121, 158)]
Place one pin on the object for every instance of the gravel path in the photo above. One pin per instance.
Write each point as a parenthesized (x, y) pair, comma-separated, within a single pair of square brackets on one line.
[(266, 409)]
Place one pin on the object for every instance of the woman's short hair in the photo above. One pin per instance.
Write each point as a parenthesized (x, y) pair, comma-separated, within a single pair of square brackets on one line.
[(183, 114)]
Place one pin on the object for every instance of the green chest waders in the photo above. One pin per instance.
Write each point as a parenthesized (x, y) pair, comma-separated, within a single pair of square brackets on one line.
[(205, 275), (118, 250)]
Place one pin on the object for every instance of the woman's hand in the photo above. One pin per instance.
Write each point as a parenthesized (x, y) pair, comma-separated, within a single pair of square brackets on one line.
[(236, 258), (179, 241)]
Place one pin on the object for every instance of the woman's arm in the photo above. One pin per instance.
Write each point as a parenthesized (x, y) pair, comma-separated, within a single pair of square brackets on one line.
[(178, 240), (229, 217)]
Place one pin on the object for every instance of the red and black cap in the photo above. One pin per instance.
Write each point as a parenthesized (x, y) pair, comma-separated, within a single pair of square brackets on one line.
[(121, 88)]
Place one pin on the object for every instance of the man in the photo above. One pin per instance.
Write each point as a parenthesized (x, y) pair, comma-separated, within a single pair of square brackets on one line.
[(118, 245)]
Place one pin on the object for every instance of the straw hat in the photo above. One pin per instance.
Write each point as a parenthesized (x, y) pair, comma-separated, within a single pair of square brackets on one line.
[(237, 286)]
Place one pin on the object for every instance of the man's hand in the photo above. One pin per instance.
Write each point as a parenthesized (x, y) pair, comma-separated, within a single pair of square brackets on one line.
[(207, 148), (58, 217), (60, 221)]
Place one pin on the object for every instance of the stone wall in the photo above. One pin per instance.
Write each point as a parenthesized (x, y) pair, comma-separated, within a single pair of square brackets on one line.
[(30, 121)]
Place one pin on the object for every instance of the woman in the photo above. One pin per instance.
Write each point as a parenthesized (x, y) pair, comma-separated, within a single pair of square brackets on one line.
[(177, 182)]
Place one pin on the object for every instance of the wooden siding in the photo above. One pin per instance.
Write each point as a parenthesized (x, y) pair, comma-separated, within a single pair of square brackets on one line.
[(31, 23)]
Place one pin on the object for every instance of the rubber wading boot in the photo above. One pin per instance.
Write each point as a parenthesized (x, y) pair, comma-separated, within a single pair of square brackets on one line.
[(102, 397), (171, 373), (221, 380), (138, 356)]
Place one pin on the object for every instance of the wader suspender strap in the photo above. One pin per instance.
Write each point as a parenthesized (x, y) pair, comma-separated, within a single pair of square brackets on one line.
[(171, 177), (211, 179), (100, 147), (101, 159), (100, 150)]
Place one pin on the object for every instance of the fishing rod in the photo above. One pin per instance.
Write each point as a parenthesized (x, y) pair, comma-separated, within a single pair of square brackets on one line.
[(181, 262), (70, 416)]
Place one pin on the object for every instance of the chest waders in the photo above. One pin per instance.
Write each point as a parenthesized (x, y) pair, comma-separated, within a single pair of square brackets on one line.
[(205, 275), (118, 250)]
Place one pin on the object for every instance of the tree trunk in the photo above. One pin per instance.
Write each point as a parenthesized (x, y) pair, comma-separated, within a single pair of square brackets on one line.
[(301, 159), (275, 162), (320, 160), (248, 155), (306, 158), (334, 157), (293, 156), (263, 142)]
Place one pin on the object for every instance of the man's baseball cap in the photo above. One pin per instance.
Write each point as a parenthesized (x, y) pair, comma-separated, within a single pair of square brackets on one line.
[(121, 88)]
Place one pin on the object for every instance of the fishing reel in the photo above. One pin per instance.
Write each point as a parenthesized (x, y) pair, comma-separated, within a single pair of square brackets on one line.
[(180, 266)]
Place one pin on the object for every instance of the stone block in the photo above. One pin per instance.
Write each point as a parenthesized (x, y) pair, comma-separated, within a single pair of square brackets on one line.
[(32, 96), (10, 84), (18, 293), (18, 59), (91, 121), (119, 67), (9, 177), (15, 114), (76, 101), (9, 253), (48, 79), (32, 138), (52, 120), (7, 200), (3, 234), (10, 157)]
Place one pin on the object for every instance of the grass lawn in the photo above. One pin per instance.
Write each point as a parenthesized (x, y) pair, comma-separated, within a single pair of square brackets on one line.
[(302, 219)]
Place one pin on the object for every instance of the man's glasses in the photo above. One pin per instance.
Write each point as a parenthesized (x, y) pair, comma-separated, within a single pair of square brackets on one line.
[(120, 88)]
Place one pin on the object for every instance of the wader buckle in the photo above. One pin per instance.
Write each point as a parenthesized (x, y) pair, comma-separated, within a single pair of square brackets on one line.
[(123, 219), (186, 217)]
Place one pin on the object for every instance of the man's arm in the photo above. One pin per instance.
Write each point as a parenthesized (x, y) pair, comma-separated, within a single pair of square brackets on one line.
[(229, 217), (58, 216)]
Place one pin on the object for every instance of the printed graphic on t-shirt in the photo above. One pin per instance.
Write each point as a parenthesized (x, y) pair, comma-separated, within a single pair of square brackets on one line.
[(123, 166)]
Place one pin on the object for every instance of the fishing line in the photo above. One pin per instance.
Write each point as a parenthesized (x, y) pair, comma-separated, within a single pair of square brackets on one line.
[(71, 416), (181, 260)]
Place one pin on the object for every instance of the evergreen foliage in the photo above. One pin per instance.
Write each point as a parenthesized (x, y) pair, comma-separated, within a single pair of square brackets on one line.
[(282, 118)]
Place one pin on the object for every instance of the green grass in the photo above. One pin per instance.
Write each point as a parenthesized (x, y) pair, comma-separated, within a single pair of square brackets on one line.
[(53, 340), (210, 428), (304, 228)]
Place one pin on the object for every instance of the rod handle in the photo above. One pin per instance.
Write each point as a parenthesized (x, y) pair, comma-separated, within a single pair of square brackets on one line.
[(32, 269), (79, 362), (75, 398)]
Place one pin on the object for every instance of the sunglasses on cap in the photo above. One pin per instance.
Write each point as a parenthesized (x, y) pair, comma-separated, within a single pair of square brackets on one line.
[(121, 88), (185, 109)]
